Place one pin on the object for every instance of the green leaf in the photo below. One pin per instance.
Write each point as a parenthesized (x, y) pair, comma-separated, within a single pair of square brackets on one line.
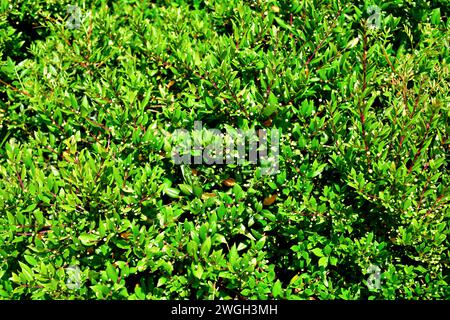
[(111, 272), (206, 246), (30, 208), (161, 281), (197, 270), (31, 260), (277, 289), (26, 271), (39, 216), (88, 239), (198, 191), (219, 238), (333, 261), (73, 101), (192, 248), (238, 192), (436, 16), (272, 105), (233, 255), (318, 252), (172, 192), (323, 262), (282, 24), (186, 189)]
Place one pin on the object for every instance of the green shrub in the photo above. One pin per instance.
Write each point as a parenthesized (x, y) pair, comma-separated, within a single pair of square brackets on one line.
[(92, 205)]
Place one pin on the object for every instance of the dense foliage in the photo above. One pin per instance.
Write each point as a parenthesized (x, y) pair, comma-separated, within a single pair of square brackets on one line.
[(88, 185)]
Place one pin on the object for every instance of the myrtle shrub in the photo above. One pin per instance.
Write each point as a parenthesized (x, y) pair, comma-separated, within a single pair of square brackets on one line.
[(92, 206)]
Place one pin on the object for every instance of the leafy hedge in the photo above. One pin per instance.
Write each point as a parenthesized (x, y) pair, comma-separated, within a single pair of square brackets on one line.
[(87, 181)]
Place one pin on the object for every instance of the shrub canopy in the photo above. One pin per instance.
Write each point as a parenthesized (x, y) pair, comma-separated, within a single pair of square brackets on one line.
[(92, 206)]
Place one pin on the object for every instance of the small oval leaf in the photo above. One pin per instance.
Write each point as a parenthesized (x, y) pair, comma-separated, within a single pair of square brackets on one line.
[(269, 200), (229, 182)]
